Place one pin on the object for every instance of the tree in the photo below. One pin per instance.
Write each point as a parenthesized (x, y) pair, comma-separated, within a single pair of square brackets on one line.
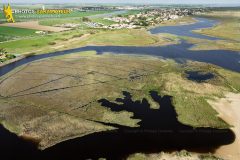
[(10, 56), (3, 51), (85, 19)]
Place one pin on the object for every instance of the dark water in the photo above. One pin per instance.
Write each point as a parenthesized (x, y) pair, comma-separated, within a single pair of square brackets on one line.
[(186, 30), (179, 52), (159, 130), (12, 147), (199, 76)]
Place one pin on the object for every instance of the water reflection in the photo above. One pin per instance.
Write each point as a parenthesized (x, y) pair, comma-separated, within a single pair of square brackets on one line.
[(158, 130), (179, 52), (187, 29), (199, 76), (13, 147)]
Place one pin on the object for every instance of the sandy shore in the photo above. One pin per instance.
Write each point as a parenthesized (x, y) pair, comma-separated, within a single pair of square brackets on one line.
[(229, 110)]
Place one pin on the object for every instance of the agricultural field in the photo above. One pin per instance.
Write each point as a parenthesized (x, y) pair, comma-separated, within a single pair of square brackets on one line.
[(59, 21), (10, 33), (30, 23), (79, 21), (75, 17), (34, 25), (46, 17), (35, 44)]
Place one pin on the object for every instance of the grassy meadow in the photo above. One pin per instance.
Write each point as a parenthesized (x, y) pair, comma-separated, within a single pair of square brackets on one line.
[(74, 14), (229, 25), (73, 17), (66, 103), (227, 29), (9, 33), (73, 39)]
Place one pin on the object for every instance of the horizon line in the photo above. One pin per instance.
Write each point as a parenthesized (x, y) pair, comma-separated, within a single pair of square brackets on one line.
[(122, 3)]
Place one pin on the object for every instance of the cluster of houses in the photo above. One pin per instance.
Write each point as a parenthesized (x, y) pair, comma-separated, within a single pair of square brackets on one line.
[(160, 15), (113, 26), (148, 18), (94, 24), (68, 25)]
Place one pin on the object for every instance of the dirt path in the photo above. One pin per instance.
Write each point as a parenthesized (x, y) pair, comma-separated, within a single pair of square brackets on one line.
[(63, 44), (34, 25), (229, 110)]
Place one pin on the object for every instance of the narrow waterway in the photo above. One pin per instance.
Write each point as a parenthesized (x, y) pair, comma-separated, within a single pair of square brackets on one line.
[(188, 29), (179, 52)]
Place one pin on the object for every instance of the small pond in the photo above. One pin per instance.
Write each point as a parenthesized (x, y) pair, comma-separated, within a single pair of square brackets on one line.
[(199, 76)]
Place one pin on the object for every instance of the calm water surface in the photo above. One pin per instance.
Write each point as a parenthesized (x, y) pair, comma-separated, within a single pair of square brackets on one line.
[(187, 29), (199, 76), (179, 52)]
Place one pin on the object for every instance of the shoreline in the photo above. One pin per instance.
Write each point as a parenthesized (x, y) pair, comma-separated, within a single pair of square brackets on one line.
[(193, 18), (229, 110), (18, 58)]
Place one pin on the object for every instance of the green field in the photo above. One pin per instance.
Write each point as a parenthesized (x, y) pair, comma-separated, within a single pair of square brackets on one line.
[(9, 33), (59, 21), (100, 37), (52, 19), (13, 31), (122, 38), (227, 29), (103, 21), (1, 15), (74, 14), (39, 42), (78, 20)]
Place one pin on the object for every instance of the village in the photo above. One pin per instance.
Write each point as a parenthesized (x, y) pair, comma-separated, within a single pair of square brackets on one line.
[(146, 18)]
